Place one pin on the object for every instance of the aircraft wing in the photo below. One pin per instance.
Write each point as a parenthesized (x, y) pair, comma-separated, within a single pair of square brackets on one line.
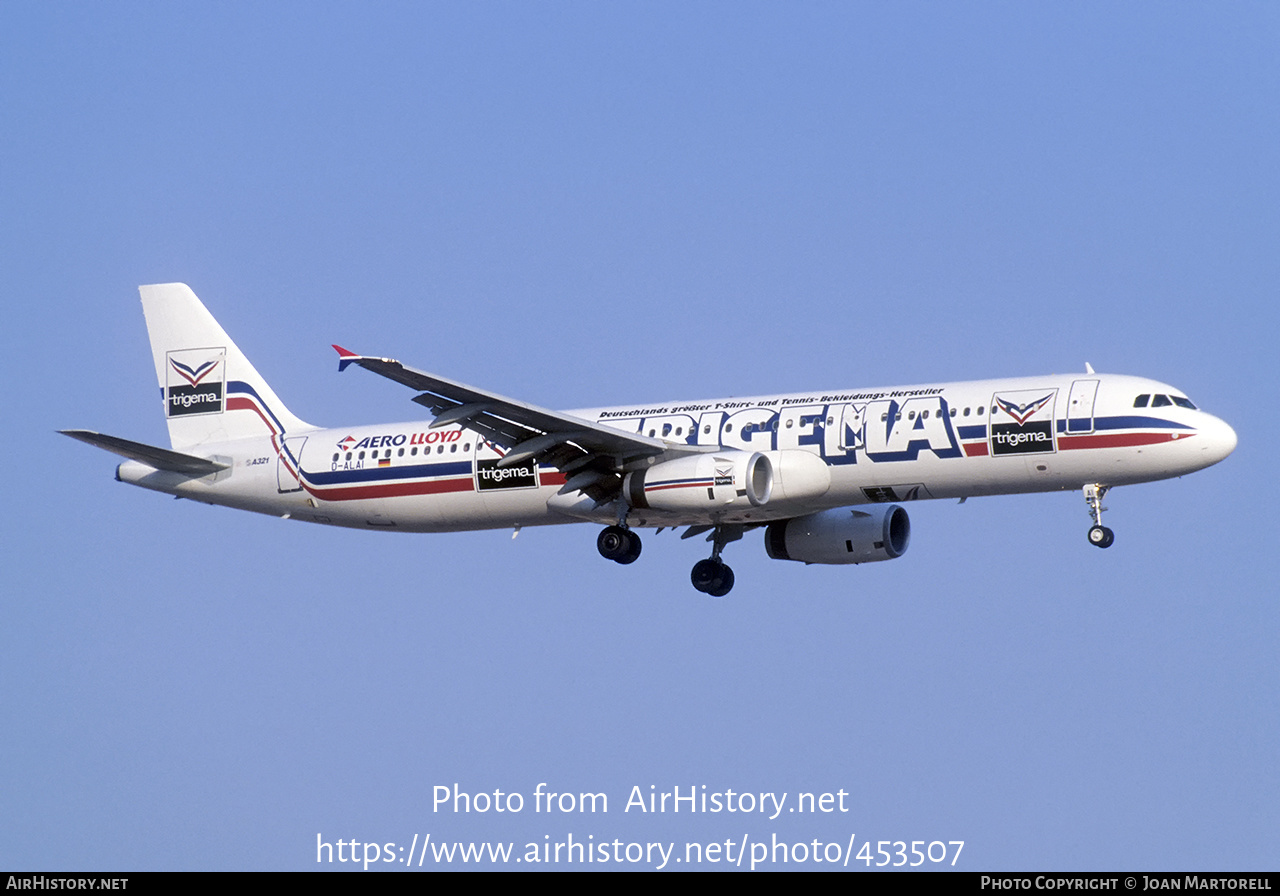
[(160, 458), (592, 456)]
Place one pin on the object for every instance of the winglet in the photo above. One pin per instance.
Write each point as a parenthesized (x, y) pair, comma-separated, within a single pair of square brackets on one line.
[(345, 357)]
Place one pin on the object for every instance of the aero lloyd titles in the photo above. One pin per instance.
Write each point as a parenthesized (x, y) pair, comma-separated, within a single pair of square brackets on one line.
[(488, 475), (396, 440), (888, 427)]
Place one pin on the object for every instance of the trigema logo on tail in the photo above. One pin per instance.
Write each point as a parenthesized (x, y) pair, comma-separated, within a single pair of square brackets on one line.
[(195, 382), (1022, 422)]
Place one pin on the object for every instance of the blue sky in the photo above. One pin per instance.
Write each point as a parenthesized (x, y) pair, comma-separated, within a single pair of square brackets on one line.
[(593, 204)]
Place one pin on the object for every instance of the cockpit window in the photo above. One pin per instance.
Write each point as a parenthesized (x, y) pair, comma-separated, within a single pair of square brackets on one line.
[(1184, 403), (1161, 401), (1141, 400)]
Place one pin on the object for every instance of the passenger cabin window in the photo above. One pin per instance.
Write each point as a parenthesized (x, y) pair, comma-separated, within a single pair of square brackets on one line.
[(1141, 400)]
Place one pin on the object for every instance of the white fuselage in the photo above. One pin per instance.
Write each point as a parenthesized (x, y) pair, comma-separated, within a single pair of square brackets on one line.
[(948, 440)]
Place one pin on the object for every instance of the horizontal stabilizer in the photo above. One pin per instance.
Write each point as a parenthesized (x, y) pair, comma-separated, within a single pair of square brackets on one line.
[(160, 458)]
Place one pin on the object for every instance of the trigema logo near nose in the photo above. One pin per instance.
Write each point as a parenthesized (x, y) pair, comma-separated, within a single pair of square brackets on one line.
[(1022, 422)]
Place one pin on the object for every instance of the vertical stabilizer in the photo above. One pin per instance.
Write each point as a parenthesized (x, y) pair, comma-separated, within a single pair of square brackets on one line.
[(211, 392)]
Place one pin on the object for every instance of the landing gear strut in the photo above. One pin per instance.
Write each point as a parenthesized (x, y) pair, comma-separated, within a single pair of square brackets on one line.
[(618, 544), (1099, 535), (713, 576)]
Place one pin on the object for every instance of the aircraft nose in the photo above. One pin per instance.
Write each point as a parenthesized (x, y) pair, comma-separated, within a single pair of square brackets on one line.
[(1217, 439)]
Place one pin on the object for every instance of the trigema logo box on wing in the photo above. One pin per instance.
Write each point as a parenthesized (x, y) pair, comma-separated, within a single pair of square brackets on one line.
[(196, 381), (489, 476)]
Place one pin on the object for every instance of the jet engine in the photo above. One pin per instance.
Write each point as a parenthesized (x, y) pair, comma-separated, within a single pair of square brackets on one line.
[(843, 535), (729, 478), (702, 481)]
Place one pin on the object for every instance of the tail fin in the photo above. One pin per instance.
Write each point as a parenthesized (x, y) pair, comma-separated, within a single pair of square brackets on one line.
[(211, 391)]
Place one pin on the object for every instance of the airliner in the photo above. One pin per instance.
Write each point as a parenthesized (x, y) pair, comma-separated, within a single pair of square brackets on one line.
[(823, 473)]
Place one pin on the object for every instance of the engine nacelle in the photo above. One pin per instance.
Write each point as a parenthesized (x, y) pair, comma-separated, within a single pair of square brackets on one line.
[(844, 535), (798, 475), (702, 481)]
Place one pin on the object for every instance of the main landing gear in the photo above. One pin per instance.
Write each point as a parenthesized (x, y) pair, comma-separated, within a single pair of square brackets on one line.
[(1099, 535), (713, 576), (618, 544)]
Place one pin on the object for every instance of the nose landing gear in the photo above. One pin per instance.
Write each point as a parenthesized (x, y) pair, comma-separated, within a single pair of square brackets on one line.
[(1099, 535)]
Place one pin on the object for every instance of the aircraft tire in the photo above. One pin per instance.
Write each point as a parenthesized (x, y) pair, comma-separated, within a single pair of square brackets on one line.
[(1101, 536), (712, 577), (704, 575), (724, 584), (614, 543), (633, 548)]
